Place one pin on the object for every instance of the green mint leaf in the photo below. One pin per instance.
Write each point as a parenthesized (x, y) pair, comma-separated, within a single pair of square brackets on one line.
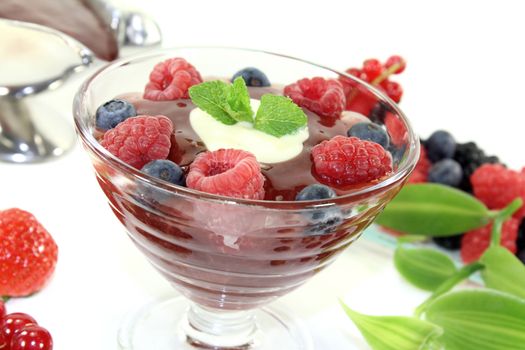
[(425, 268), (212, 97), (503, 271), (479, 319), (239, 101), (279, 116), (434, 210), (395, 332)]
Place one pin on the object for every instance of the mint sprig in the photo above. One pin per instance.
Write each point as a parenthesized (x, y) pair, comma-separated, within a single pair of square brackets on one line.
[(212, 97), (279, 116), (470, 319), (230, 103)]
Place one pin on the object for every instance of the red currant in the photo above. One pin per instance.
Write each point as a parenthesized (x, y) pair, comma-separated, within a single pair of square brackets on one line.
[(2, 309), (11, 324), (32, 337), (372, 68), (393, 90), (396, 60)]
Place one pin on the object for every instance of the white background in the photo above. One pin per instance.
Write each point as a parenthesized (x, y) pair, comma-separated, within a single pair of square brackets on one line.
[(465, 74)]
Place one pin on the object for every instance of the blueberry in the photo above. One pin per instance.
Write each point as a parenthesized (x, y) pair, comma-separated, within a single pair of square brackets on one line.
[(111, 113), (323, 220), (446, 172), (520, 242), (165, 170), (440, 145), (370, 132), (449, 242), (397, 153), (315, 191), (521, 256), (252, 77)]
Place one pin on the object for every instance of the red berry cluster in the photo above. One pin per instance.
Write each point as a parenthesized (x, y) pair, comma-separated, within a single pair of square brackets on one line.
[(377, 74), (19, 331)]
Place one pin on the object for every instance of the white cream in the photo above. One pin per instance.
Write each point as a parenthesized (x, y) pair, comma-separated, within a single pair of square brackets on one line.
[(242, 135)]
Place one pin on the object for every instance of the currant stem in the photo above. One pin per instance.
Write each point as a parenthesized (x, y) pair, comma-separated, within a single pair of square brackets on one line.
[(387, 73), (465, 272), (5, 298), (501, 217)]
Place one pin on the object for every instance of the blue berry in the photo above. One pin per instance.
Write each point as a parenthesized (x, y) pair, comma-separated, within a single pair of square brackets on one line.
[(440, 145), (370, 132), (521, 256), (165, 170), (252, 77), (449, 242), (315, 191), (324, 220), (447, 172), (113, 112)]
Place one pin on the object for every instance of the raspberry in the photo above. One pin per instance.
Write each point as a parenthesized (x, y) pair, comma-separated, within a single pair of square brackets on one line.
[(322, 96), (28, 253), (475, 242), (227, 172), (140, 139), (344, 161), (497, 186), (171, 79), (420, 173)]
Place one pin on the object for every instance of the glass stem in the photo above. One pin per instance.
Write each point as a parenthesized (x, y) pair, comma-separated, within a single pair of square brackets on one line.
[(209, 328)]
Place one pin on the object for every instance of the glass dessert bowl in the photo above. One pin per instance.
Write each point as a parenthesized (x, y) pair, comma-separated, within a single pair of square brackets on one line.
[(228, 256)]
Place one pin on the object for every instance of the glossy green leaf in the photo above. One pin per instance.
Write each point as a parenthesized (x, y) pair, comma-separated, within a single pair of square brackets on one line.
[(434, 210), (395, 332), (424, 267), (503, 271), (479, 319)]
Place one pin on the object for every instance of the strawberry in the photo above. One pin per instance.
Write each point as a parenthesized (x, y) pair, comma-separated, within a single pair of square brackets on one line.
[(28, 253)]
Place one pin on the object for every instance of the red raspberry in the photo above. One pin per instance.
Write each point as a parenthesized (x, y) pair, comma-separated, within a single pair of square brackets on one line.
[(497, 186), (228, 172), (28, 253), (475, 242), (420, 173), (139, 140), (322, 96), (171, 79), (344, 161)]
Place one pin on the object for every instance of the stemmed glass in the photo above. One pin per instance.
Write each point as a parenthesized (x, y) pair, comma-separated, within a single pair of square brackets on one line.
[(230, 258)]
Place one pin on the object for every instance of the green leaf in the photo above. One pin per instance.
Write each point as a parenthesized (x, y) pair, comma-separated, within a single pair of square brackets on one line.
[(239, 101), (424, 267), (434, 210), (279, 116), (479, 319), (503, 271), (212, 97), (394, 332)]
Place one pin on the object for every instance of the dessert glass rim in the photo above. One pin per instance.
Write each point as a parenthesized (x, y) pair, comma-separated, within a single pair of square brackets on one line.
[(88, 139)]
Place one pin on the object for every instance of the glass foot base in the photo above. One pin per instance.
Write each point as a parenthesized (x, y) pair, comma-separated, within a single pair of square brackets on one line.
[(161, 326)]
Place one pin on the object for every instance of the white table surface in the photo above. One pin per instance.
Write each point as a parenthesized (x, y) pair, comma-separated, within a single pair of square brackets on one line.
[(465, 74)]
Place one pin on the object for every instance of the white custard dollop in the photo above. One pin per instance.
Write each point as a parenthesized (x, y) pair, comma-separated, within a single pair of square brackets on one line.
[(242, 135)]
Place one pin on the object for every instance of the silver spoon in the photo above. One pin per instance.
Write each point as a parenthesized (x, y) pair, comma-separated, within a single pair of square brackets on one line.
[(26, 135)]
